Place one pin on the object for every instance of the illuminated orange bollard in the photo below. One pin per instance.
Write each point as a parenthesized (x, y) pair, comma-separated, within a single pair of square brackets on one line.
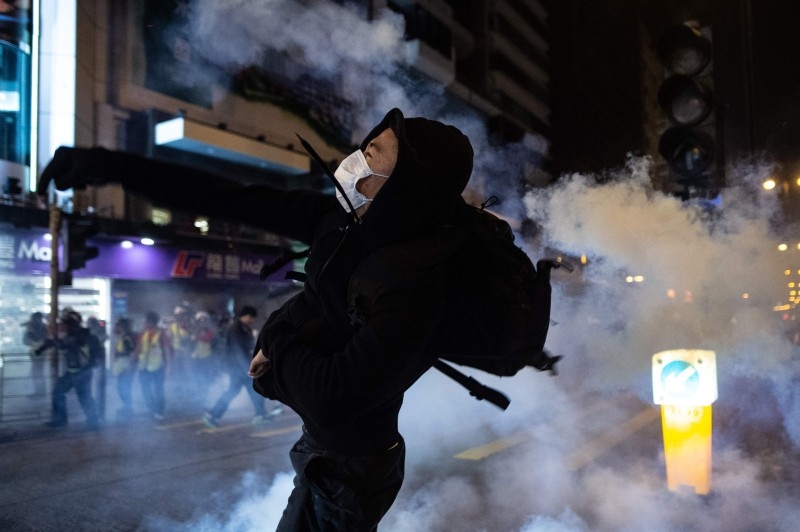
[(687, 446), (685, 385)]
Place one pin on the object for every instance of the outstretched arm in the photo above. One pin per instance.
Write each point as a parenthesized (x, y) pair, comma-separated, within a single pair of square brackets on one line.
[(289, 213)]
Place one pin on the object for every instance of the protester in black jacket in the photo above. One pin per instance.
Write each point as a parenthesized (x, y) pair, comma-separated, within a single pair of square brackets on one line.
[(343, 374), (80, 351)]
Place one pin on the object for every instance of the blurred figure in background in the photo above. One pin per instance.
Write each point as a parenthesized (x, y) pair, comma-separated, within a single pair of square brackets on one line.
[(153, 355), (239, 346), (180, 333), (124, 365), (97, 328), (34, 337), (80, 351), (203, 363)]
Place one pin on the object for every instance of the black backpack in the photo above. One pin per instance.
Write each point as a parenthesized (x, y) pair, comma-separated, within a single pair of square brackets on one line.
[(498, 302)]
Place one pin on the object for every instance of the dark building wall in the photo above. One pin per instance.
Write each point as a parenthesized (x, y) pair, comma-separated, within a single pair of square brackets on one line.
[(597, 116), (756, 61), (596, 89), (776, 71)]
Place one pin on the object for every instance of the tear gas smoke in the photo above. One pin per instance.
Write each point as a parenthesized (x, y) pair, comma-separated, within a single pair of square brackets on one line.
[(708, 280), (608, 328)]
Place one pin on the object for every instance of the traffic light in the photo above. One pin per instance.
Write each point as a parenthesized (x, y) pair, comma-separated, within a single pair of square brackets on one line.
[(687, 97), (76, 252)]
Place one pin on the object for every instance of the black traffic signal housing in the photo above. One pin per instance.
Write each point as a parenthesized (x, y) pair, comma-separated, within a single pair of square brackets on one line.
[(76, 251), (689, 144)]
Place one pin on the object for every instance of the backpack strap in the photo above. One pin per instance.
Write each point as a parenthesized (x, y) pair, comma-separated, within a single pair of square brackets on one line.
[(476, 389), (285, 257), (314, 155)]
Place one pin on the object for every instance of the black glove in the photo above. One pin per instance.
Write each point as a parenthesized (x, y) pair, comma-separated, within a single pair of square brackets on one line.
[(159, 181), (66, 170)]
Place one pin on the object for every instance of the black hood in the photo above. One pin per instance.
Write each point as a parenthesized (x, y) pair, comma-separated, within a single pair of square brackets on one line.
[(434, 164)]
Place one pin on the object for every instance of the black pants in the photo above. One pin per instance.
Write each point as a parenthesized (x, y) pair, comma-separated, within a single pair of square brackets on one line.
[(238, 380), (334, 492), (82, 382)]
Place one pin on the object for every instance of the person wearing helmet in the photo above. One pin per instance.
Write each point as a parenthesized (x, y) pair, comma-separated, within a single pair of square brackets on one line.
[(344, 374), (79, 350)]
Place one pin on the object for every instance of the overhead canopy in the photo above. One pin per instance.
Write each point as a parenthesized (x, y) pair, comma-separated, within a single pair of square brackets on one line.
[(194, 137)]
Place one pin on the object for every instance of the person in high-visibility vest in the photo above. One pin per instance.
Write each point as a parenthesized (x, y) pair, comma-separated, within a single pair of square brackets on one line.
[(153, 354)]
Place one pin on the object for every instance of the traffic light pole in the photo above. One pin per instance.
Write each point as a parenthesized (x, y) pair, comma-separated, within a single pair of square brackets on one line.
[(55, 229)]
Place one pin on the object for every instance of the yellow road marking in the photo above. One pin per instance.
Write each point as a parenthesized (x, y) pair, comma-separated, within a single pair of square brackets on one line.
[(178, 425), (479, 453), (609, 439), (276, 432), (224, 428), (589, 451)]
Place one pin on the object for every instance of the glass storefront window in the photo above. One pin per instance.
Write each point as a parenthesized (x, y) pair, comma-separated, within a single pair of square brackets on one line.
[(22, 295), (15, 98), (14, 104)]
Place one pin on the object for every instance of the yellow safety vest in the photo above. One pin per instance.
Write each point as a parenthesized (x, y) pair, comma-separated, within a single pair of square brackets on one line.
[(151, 354), (179, 335)]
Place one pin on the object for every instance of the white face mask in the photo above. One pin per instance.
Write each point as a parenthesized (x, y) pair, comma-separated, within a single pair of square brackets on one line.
[(353, 169)]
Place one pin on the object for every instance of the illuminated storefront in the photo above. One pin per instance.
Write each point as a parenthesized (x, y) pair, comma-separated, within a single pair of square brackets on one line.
[(126, 279)]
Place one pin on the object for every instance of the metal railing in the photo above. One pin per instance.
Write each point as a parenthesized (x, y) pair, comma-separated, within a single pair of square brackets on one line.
[(25, 387)]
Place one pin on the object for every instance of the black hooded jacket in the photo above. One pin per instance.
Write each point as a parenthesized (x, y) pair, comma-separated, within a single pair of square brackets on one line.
[(346, 382)]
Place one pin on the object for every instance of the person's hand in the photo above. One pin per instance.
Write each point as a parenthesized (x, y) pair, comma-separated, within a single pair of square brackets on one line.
[(67, 169), (259, 365)]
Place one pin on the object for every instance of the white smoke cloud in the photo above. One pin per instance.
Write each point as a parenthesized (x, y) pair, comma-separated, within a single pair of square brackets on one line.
[(261, 511), (237, 32), (722, 271), (365, 59), (328, 41), (536, 484)]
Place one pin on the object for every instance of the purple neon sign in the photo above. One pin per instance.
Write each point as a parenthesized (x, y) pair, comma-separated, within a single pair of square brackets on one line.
[(26, 251)]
